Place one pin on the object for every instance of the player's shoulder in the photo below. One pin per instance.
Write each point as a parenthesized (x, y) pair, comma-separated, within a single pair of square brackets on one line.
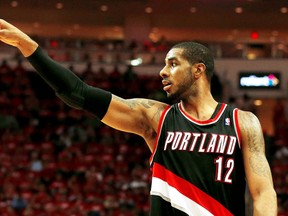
[(246, 114), (151, 104), (248, 120)]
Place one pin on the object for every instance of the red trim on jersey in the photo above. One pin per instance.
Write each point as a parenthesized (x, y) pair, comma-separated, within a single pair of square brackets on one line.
[(205, 122), (237, 127), (190, 191), (160, 124)]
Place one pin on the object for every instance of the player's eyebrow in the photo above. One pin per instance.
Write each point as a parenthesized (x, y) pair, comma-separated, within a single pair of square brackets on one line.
[(169, 59)]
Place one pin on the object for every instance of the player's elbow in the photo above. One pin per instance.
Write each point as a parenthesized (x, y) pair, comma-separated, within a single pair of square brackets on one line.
[(265, 202)]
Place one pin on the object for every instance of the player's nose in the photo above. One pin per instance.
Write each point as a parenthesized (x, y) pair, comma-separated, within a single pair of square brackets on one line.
[(164, 72)]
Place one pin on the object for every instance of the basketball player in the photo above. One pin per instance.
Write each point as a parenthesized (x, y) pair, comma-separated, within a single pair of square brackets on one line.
[(203, 151)]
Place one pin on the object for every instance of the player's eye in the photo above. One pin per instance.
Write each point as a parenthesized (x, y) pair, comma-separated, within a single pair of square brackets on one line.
[(173, 64)]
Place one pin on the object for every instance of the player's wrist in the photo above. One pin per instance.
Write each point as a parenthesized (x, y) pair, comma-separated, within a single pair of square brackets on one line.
[(27, 46)]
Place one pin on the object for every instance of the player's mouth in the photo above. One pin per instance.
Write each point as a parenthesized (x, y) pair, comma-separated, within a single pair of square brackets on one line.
[(167, 85)]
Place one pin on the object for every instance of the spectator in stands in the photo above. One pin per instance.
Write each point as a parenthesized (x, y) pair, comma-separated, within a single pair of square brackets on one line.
[(4, 67), (129, 74), (88, 71), (36, 162), (18, 203)]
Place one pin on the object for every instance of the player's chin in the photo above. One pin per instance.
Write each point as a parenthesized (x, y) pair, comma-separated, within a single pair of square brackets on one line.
[(169, 94), (172, 98)]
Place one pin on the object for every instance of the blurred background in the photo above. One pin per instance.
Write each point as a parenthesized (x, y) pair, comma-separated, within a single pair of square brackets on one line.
[(59, 161)]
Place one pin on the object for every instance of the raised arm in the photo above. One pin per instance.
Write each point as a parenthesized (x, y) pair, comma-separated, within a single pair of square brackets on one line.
[(139, 116), (257, 169)]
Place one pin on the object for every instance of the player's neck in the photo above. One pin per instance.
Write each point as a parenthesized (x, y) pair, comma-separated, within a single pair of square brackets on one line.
[(200, 108)]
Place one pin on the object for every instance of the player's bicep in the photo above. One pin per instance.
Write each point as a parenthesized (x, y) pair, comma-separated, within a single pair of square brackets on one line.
[(121, 114), (132, 115), (257, 169)]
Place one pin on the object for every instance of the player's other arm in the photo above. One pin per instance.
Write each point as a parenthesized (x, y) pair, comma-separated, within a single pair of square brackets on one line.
[(257, 169), (139, 116)]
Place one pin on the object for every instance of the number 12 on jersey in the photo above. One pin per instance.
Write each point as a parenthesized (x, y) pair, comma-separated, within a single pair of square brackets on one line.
[(224, 169)]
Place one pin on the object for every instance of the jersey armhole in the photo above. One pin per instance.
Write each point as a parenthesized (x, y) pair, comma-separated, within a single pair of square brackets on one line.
[(160, 124), (237, 126)]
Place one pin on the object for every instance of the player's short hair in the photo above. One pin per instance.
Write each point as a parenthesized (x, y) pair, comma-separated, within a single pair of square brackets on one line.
[(198, 53)]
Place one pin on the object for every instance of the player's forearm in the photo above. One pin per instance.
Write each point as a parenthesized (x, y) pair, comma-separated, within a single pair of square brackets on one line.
[(57, 76), (68, 87), (265, 204)]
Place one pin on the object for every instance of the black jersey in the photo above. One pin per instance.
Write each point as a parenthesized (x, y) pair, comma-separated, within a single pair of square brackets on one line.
[(197, 166)]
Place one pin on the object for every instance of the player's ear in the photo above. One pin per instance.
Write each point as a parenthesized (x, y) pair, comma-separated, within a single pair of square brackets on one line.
[(200, 69)]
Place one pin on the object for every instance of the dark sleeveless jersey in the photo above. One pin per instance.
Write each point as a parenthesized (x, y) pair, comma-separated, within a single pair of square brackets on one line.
[(197, 166)]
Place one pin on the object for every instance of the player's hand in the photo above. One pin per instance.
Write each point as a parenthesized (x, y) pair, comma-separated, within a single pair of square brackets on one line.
[(10, 34), (13, 36)]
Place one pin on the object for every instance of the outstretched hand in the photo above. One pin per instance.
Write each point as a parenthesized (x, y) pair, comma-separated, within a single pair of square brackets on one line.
[(13, 36), (9, 34)]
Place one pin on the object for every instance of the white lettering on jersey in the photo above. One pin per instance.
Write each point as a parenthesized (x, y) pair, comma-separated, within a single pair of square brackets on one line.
[(200, 142)]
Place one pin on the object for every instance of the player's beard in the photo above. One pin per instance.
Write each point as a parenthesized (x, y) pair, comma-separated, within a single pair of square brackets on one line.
[(183, 89)]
